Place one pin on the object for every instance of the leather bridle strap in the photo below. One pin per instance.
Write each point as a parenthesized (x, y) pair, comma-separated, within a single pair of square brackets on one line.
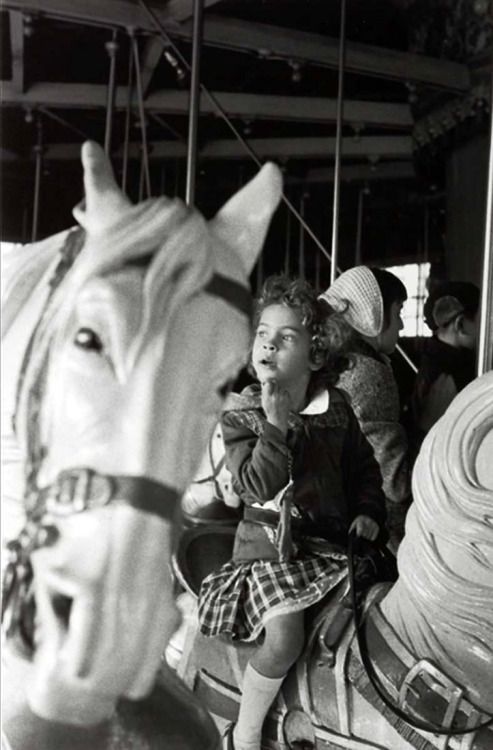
[(359, 625), (83, 489), (232, 292)]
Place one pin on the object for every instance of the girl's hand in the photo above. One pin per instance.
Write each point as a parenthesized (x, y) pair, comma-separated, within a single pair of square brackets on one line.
[(366, 527), (276, 403)]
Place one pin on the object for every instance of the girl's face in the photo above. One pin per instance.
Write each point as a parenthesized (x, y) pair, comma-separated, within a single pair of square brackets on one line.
[(387, 340), (281, 348)]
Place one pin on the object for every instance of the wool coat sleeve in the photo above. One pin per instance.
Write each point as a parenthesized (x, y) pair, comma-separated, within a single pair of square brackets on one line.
[(374, 397), (259, 463), (363, 475)]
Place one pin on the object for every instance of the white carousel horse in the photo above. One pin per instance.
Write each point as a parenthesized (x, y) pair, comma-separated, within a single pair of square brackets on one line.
[(429, 635), (145, 328)]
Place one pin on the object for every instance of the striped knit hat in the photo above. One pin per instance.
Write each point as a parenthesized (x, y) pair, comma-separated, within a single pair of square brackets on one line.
[(356, 294)]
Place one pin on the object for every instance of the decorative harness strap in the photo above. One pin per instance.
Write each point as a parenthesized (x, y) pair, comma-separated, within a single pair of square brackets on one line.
[(78, 489)]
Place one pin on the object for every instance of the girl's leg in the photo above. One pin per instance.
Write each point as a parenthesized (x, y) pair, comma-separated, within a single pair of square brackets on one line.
[(283, 643)]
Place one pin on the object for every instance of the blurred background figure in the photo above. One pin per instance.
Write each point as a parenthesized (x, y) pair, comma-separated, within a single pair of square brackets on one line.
[(448, 361)]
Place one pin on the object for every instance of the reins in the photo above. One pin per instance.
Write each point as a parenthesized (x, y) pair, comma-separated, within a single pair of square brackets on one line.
[(359, 624)]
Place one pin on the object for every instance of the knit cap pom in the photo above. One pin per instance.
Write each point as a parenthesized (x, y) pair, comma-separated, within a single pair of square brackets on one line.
[(356, 294)]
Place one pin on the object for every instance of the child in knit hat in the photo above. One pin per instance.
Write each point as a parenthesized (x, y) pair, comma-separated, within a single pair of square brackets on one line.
[(371, 300), (306, 477)]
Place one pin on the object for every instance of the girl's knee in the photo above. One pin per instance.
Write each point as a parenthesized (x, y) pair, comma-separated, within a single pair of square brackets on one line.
[(286, 638)]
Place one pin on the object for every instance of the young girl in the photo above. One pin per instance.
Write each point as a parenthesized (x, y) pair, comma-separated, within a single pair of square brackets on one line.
[(306, 477), (370, 300)]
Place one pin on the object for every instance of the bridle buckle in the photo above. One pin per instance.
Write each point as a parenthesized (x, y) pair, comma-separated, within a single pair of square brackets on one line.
[(76, 490)]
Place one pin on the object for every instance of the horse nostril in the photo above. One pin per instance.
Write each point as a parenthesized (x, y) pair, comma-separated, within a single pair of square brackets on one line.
[(62, 606)]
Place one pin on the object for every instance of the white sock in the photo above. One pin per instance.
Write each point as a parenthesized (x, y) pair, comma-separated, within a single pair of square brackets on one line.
[(258, 694)]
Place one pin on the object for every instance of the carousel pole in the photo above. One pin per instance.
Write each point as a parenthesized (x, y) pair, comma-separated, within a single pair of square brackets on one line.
[(485, 344), (111, 48), (359, 227), (288, 243), (301, 248), (142, 117), (194, 101), (128, 111), (38, 151), (337, 167)]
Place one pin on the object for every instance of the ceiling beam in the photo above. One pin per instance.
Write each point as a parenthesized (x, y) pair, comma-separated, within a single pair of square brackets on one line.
[(386, 170), (248, 106), (17, 50), (125, 13), (269, 40), (273, 41), (180, 10), (397, 147)]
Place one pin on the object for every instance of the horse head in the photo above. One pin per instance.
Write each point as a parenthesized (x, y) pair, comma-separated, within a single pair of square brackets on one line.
[(146, 327)]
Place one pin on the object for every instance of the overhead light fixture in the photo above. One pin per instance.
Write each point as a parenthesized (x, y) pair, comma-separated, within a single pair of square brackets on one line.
[(296, 71), (28, 28), (180, 73)]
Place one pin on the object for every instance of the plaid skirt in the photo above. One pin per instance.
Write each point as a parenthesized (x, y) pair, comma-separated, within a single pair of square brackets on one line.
[(239, 598)]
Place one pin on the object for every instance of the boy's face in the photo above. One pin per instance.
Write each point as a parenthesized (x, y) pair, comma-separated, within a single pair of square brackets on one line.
[(467, 331), (281, 348), (387, 340)]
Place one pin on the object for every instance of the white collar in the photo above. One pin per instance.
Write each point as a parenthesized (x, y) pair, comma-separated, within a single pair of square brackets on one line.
[(319, 403)]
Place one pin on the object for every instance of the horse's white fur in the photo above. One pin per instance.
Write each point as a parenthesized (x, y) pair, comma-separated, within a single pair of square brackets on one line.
[(145, 407)]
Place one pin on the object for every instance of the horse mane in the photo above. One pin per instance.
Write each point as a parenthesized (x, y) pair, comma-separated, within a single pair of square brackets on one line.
[(446, 558)]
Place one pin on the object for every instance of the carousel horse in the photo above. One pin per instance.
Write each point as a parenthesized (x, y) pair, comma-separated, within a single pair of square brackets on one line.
[(428, 636), (121, 338)]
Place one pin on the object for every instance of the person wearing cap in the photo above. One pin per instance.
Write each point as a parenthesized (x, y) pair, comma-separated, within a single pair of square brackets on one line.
[(371, 301), (449, 358)]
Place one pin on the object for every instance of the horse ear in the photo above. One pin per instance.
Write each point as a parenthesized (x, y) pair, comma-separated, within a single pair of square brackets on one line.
[(243, 221), (104, 201)]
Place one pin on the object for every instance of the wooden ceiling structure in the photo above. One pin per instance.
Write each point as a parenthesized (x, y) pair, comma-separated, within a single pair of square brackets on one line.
[(272, 66)]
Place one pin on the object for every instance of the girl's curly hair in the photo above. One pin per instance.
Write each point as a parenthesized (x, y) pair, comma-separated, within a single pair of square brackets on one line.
[(329, 334)]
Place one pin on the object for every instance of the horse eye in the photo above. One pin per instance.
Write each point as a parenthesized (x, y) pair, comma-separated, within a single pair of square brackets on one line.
[(87, 339), (225, 389)]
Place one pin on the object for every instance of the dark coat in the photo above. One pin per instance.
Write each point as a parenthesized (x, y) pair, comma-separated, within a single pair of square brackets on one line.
[(335, 474)]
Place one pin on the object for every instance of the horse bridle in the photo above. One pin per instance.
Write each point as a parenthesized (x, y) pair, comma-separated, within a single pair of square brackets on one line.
[(359, 624), (79, 489)]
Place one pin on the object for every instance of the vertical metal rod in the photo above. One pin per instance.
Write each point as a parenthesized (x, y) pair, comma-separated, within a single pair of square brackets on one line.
[(142, 117), (301, 248), (426, 233), (141, 178), (317, 272), (162, 184), (111, 48), (127, 115), (38, 150), (359, 227), (194, 102), (485, 342), (337, 168), (177, 178), (288, 243)]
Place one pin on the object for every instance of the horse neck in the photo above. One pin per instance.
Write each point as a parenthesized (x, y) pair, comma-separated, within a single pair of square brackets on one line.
[(442, 604)]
